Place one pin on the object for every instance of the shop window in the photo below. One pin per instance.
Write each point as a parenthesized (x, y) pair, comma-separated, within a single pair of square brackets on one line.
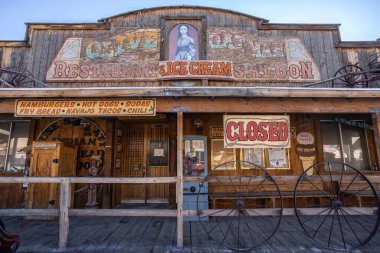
[(347, 144), (13, 141)]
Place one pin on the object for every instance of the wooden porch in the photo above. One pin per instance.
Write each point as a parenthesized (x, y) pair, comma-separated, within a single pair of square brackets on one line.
[(151, 234)]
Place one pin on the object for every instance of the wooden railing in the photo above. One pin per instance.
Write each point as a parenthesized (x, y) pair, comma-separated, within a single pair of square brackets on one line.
[(65, 211)]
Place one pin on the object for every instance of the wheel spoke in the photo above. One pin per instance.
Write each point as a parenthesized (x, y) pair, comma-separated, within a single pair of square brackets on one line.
[(249, 230), (317, 215), (353, 217), (331, 228), (350, 184), (320, 225), (228, 229), (354, 194), (324, 183), (353, 231), (341, 230), (317, 187)]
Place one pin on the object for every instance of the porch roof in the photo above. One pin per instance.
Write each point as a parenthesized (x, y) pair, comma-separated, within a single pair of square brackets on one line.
[(195, 91)]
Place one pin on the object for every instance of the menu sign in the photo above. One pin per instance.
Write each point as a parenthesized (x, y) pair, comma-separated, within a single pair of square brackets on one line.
[(75, 108)]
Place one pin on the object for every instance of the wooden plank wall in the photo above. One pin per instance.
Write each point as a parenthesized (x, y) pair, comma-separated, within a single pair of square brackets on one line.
[(45, 42)]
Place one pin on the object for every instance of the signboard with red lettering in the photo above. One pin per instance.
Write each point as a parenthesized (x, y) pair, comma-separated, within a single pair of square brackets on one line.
[(256, 131), (75, 108)]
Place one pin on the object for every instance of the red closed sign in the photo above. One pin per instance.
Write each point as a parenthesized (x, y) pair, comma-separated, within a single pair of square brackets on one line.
[(256, 131)]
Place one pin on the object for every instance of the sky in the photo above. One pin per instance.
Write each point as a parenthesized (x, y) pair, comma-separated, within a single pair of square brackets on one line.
[(359, 19)]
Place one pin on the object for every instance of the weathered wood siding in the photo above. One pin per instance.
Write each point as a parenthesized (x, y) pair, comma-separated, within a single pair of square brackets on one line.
[(321, 41)]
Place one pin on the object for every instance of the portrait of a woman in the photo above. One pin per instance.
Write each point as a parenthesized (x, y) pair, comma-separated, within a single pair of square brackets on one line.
[(185, 48)]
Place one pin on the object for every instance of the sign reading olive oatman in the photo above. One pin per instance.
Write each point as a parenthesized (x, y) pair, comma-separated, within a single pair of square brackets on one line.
[(232, 54), (256, 131), (75, 108)]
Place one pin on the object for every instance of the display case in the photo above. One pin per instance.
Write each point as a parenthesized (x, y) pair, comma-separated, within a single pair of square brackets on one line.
[(194, 165)]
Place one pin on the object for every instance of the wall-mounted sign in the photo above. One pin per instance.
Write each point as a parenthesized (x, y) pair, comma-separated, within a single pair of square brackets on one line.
[(305, 138), (75, 108), (196, 70), (183, 43), (256, 131), (261, 58), (359, 124), (132, 54), (232, 54), (216, 132)]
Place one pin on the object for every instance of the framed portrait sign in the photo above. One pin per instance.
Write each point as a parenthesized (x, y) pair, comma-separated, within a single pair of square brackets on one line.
[(183, 43), (158, 153)]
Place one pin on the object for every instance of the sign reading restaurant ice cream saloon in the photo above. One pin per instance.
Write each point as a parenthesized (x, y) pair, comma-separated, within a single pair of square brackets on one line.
[(231, 54), (75, 108), (256, 131)]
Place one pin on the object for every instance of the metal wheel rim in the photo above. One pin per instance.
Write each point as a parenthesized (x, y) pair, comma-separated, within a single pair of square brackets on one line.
[(245, 212), (341, 216)]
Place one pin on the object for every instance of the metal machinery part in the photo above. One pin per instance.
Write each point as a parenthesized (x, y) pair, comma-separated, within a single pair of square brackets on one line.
[(239, 195), (15, 77), (344, 212), (350, 76)]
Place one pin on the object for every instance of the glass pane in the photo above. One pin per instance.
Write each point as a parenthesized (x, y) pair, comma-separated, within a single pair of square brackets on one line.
[(331, 144), (355, 147), (194, 158), (4, 137), (17, 152)]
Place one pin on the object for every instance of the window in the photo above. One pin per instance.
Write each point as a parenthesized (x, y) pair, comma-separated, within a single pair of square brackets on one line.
[(13, 140), (352, 139)]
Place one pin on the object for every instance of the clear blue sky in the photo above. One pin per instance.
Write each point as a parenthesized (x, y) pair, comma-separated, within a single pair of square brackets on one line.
[(359, 19)]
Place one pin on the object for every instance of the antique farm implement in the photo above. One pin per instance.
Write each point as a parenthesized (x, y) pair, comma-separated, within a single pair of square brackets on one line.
[(335, 204)]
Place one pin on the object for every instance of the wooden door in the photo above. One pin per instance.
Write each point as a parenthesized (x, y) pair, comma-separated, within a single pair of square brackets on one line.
[(44, 163), (136, 151)]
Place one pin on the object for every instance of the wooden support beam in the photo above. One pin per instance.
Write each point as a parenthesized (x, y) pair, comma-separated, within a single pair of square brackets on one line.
[(108, 163), (91, 180), (123, 212), (180, 180), (376, 126), (64, 204)]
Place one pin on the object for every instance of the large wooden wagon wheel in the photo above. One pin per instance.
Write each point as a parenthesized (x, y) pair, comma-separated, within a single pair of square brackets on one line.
[(17, 77), (350, 76), (336, 205), (245, 205)]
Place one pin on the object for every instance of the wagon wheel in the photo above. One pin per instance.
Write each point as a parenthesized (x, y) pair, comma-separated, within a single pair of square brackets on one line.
[(18, 77), (350, 76), (240, 213), (374, 63), (343, 212)]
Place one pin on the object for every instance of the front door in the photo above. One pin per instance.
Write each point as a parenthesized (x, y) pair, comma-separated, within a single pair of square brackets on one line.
[(145, 150)]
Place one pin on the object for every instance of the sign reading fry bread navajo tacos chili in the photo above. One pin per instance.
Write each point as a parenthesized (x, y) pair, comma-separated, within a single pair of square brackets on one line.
[(74, 108), (256, 131)]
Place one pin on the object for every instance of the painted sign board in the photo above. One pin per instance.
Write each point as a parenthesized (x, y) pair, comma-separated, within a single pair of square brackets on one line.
[(231, 54), (132, 54), (75, 108), (256, 131)]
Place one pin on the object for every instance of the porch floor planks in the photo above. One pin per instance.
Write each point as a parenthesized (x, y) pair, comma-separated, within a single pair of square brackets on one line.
[(86, 238), (125, 226), (129, 243), (155, 234), (166, 239)]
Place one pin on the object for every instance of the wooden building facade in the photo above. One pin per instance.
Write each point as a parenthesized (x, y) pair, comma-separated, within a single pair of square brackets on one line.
[(118, 87)]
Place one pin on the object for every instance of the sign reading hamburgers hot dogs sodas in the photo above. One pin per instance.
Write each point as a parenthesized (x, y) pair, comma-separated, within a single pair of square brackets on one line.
[(256, 131)]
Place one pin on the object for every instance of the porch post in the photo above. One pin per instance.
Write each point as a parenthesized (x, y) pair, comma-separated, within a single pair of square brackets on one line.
[(179, 180), (64, 203), (376, 126)]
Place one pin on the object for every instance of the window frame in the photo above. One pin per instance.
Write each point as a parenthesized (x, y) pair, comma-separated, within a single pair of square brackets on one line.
[(341, 143), (11, 126)]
